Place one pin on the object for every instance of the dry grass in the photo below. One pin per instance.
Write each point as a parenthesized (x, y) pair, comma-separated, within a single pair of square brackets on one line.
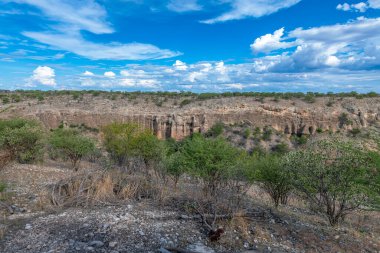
[(94, 187)]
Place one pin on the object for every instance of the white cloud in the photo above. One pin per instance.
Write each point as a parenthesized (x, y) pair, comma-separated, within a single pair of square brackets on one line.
[(114, 51), (374, 4), (270, 42), (240, 77), (72, 17), (43, 75), (80, 15), (359, 7), (109, 74), (353, 45), (88, 73), (241, 9), (179, 65), (184, 5)]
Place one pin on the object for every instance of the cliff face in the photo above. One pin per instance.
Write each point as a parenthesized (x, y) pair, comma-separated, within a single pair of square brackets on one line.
[(288, 117)]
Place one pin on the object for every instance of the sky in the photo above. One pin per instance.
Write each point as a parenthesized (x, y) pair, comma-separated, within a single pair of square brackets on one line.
[(191, 45)]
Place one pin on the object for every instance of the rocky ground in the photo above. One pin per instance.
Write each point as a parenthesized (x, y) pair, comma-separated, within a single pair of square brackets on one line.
[(144, 226)]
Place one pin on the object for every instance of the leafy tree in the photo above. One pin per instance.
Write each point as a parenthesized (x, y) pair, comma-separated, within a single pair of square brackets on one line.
[(216, 130), (212, 160), (271, 176), (126, 140), (281, 148), (21, 139), (72, 144), (335, 177)]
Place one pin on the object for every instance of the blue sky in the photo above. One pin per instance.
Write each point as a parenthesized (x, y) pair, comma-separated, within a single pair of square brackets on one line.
[(191, 45)]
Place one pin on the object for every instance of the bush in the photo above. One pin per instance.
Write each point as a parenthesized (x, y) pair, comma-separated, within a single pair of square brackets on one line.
[(267, 134), (216, 130), (299, 140), (6, 100), (271, 176), (344, 120), (247, 133), (125, 141), (21, 139), (335, 177), (212, 160), (281, 148), (185, 102), (72, 145)]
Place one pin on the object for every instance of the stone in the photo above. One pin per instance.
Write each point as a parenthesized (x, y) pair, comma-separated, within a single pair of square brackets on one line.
[(28, 227), (199, 247), (96, 244), (112, 244)]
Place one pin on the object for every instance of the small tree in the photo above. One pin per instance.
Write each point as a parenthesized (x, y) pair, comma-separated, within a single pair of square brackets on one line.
[(271, 176), (212, 160), (125, 141), (335, 177), (216, 130), (72, 144), (21, 139)]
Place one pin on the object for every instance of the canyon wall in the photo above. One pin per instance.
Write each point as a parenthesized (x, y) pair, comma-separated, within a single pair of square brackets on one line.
[(286, 117)]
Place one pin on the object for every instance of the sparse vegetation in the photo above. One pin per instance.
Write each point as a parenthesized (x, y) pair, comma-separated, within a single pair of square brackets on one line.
[(335, 177), (21, 140), (268, 171), (71, 144)]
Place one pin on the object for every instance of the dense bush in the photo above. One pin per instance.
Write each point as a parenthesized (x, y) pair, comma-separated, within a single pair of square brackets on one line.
[(212, 160), (216, 130), (71, 144), (271, 176), (335, 177), (21, 139), (126, 141)]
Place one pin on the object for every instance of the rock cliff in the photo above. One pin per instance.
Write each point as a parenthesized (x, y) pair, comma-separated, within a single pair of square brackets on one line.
[(170, 120)]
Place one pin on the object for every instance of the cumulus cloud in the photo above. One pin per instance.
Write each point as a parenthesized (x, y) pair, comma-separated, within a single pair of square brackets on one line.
[(241, 9), (71, 17), (270, 42), (88, 73), (353, 45), (359, 7), (43, 75), (179, 65), (184, 5), (109, 74)]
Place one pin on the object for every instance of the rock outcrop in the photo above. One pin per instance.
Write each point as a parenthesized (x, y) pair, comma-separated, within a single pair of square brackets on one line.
[(287, 116)]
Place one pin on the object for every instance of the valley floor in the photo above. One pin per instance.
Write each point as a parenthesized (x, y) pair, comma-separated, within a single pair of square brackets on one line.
[(145, 226)]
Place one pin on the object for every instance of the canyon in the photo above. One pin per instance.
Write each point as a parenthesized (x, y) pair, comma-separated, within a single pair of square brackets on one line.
[(169, 119)]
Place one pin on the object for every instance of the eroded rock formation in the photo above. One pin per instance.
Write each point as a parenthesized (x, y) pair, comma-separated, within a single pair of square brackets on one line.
[(287, 116)]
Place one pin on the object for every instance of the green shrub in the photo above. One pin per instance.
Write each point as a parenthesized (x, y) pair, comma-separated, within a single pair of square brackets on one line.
[(124, 141), (71, 144), (216, 130), (344, 120), (185, 102), (267, 134), (6, 100), (22, 139), (246, 133), (355, 131), (281, 148), (3, 187), (271, 176), (213, 160), (299, 140), (335, 177)]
